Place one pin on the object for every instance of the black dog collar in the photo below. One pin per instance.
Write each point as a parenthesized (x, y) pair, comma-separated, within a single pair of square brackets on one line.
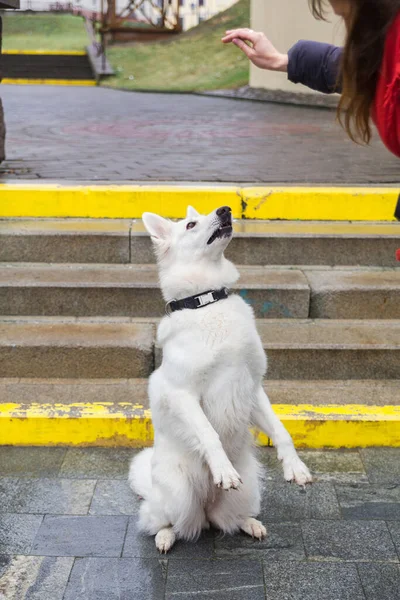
[(198, 301)]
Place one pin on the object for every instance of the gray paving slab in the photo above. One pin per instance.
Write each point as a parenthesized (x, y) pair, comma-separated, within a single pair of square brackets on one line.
[(8, 490), (138, 544), (215, 579), (34, 577), (366, 501), (283, 542), (113, 497), (348, 541), (117, 579), (323, 553), (382, 464), (71, 133), (283, 502), (380, 582), (54, 496), (97, 463), (335, 465), (80, 536), (394, 528), (30, 461), (17, 532), (312, 581)]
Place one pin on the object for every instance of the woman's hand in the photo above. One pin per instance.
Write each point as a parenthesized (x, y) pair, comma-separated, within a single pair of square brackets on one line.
[(261, 52)]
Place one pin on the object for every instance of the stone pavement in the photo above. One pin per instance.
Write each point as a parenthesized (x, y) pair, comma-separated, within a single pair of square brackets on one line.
[(96, 134), (68, 531)]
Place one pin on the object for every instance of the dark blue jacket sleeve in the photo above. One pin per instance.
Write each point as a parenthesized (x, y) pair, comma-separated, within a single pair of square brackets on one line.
[(315, 65)]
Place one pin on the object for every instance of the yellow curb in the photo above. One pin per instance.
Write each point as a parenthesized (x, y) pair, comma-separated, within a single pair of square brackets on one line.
[(130, 201), (47, 52), (75, 82), (129, 425)]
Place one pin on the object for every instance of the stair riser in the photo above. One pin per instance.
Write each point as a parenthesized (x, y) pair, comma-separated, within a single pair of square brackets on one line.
[(246, 251), (148, 303), (90, 363), (65, 248), (312, 364), (116, 363), (134, 302), (333, 364), (356, 304)]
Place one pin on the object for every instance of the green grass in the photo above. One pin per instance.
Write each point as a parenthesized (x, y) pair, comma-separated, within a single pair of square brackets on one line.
[(192, 61), (43, 32)]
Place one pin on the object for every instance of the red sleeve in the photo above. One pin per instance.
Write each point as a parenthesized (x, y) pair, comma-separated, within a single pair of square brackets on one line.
[(386, 112)]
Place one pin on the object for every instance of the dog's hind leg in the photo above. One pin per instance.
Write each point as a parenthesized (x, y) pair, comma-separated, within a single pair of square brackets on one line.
[(265, 419), (236, 509), (165, 539)]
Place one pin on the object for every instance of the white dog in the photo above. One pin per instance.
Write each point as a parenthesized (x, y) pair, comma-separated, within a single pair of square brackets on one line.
[(206, 393)]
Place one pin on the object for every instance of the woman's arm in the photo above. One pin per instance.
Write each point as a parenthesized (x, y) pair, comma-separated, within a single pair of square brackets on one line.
[(313, 64)]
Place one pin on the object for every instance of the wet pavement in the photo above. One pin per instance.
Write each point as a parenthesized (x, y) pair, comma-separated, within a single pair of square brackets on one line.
[(98, 134), (68, 531)]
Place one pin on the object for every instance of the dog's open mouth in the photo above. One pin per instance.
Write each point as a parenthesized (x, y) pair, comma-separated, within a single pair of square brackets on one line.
[(223, 231)]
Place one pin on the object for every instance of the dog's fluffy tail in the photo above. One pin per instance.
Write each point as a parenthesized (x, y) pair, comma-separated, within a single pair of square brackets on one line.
[(140, 473)]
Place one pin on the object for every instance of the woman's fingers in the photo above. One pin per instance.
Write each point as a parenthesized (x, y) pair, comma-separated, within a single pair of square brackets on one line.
[(249, 52), (244, 34)]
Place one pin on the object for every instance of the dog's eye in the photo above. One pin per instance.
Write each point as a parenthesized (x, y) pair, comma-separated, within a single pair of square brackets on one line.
[(191, 225)]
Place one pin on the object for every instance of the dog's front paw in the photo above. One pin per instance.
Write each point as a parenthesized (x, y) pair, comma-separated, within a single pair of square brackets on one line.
[(227, 478), (295, 470)]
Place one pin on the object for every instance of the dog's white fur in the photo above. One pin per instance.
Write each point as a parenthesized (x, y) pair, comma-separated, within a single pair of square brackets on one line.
[(204, 397)]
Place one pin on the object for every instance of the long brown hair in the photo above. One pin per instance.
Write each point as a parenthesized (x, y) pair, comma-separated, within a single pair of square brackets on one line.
[(362, 57)]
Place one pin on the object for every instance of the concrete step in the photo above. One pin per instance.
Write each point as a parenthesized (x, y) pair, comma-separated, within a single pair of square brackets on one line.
[(53, 348), (116, 392), (132, 290), (123, 348), (337, 350), (354, 294), (255, 242)]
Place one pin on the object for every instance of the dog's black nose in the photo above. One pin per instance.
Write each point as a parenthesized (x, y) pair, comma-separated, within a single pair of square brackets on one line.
[(224, 210)]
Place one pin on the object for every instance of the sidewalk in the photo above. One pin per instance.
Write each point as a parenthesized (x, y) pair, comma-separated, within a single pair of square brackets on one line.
[(68, 531), (95, 134)]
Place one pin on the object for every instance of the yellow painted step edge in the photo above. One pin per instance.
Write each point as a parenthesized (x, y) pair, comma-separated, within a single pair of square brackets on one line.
[(130, 201), (129, 425), (44, 52), (74, 82)]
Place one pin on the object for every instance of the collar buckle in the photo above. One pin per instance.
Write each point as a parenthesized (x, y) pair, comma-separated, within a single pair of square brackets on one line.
[(205, 299)]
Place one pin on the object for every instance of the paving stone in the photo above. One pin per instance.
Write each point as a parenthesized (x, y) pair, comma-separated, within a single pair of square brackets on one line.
[(208, 138), (97, 463), (394, 528), (382, 464), (113, 497), (285, 502), (215, 580), (379, 581), (138, 544), (17, 532), (80, 536), (334, 465), (348, 541), (30, 461), (366, 501), (312, 581), (55, 496), (8, 489), (34, 577), (117, 579), (283, 542)]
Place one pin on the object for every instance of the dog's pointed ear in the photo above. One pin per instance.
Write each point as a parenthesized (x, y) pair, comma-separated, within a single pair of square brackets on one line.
[(192, 213), (158, 227)]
